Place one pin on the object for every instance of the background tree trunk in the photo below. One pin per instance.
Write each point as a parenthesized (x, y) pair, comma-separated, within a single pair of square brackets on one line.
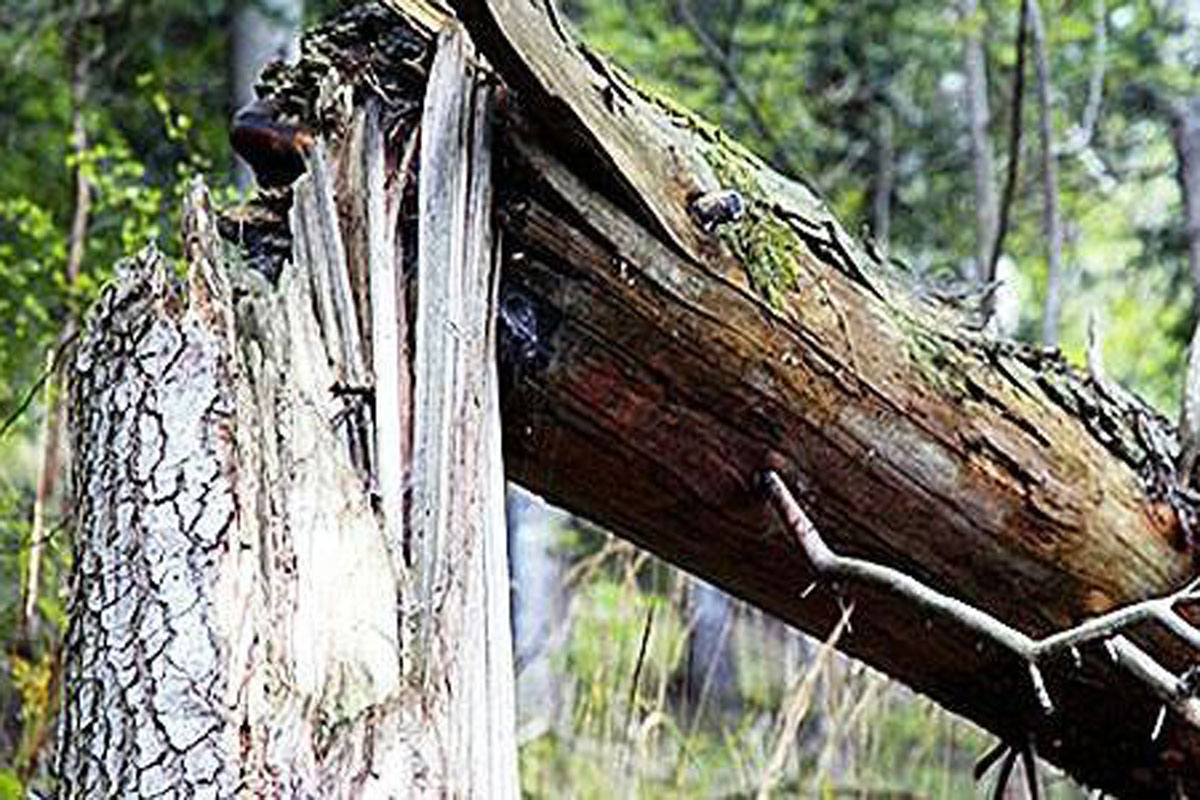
[(1186, 136), (1051, 216), (978, 117)]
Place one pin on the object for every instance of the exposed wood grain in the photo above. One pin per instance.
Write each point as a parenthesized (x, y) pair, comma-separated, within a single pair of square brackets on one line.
[(457, 513)]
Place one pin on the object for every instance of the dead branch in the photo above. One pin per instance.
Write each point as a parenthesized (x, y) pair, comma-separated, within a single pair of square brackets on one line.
[(1108, 627)]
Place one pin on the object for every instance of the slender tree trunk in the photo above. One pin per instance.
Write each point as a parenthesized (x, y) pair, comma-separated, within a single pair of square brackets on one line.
[(82, 55), (885, 168), (709, 670), (1185, 130), (978, 118), (1185, 135), (540, 619), (1051, 216)]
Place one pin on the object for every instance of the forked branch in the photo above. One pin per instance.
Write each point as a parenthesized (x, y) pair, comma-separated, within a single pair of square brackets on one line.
[(1167, 686)]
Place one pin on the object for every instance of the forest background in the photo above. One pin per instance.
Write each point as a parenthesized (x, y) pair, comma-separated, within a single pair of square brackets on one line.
[(633, 677)]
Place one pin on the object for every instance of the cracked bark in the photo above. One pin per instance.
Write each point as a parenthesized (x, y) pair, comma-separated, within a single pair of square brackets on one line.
[(244, 612), (651, 371)]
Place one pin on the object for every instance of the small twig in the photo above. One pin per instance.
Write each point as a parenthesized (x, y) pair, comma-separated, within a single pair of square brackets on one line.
[(1161, 681), (1009, 753), (23, 406), (61, 349), (828, 565), (1158, 723), (637, 668), (1039, 688)]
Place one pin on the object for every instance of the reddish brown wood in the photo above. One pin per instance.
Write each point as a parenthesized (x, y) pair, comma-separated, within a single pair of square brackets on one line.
[(660, 392)]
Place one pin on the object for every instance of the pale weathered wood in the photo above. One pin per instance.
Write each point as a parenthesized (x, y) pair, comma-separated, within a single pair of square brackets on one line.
[(465, 644)]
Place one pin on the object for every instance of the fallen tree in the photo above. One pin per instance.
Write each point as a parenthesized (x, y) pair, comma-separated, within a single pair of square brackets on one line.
[(677, 322)]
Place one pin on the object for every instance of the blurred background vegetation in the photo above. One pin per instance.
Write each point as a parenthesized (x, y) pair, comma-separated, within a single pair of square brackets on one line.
[(636, 680)]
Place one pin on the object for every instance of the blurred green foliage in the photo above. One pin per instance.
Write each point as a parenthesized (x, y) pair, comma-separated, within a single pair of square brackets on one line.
[(150, 84), (862, 736)]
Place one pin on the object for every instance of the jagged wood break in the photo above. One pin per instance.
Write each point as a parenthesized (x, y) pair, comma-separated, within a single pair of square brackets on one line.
[(253, 613)]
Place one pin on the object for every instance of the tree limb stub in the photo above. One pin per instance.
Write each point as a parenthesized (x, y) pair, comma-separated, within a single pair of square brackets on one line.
[(654, 369)]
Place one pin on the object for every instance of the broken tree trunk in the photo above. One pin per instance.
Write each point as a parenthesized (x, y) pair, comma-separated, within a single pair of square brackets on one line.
[(253, 614), (654, 368)]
